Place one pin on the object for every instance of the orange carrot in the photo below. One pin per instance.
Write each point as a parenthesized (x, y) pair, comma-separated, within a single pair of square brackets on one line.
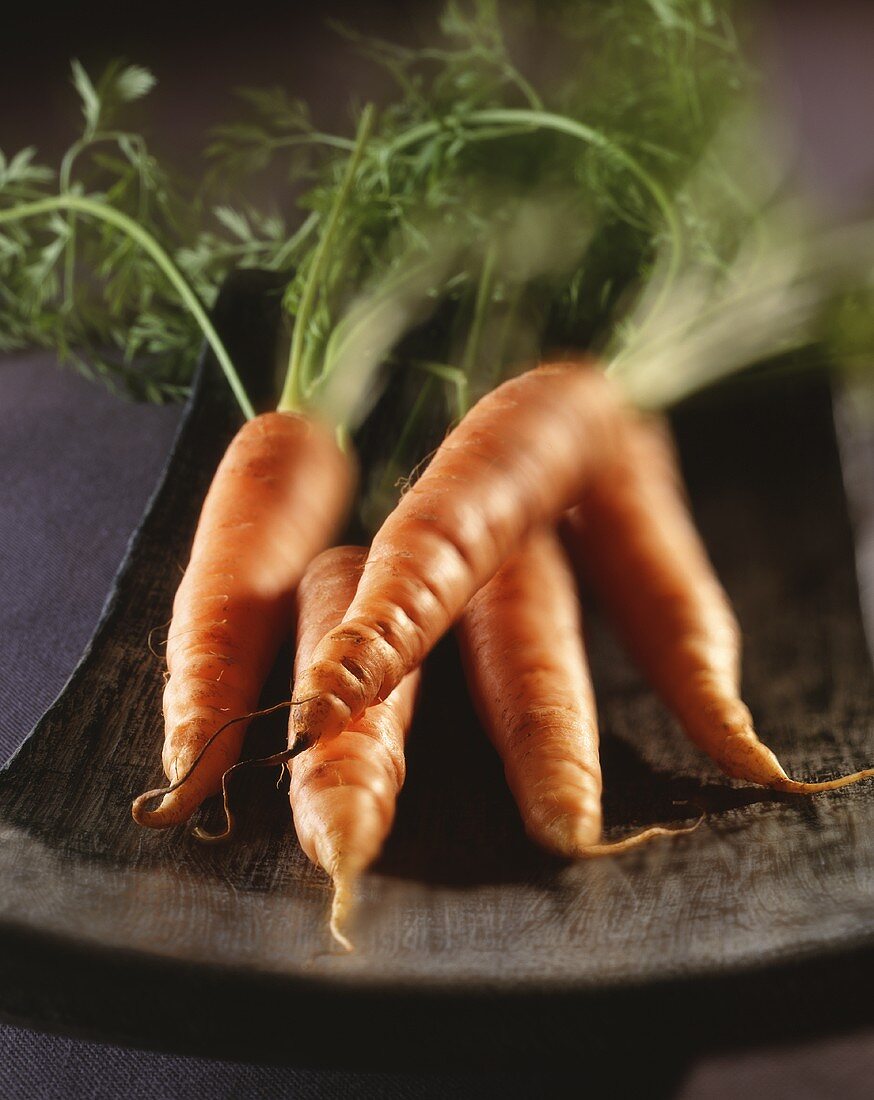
[(278, 496), (522, 649), (521, 456), (343, 791), (635, 538), (523, 653)]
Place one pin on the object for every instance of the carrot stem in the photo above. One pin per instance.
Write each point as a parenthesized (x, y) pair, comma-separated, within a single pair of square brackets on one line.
[(104, 212), (456, 378), (292, 398), (287, 251), (625, 844), (389, 477), (797, 786), (546, 120), (65, 175), (481, 305)]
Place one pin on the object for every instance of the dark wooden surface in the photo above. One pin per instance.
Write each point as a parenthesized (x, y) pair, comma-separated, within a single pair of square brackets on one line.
[(472, 946)]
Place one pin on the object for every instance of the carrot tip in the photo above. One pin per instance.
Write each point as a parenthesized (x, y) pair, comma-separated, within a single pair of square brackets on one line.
[(636, 840), (139, 811), (343, 940), (796, 786), (565, 834), (341, 907)]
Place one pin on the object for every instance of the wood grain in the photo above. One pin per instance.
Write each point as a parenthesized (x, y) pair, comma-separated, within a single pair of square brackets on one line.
[(148, 937)]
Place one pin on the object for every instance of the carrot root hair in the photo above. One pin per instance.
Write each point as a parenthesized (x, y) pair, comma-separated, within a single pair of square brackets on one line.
[(635, 840), (797, 786), (151, 645), (278, 759), (142, 815)]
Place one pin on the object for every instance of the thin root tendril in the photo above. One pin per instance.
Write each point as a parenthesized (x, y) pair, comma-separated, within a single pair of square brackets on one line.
[(139, 807), (614, 847), (796, 786)]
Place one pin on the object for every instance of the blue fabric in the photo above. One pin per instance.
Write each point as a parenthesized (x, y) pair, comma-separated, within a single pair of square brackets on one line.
[(77, 466), (41, 1067)]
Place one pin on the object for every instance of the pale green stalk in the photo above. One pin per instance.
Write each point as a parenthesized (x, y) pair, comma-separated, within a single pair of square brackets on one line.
[(545, 120), (455, 376), (292, 397), (106, 213), (403, 442), (65, 175), (332, 141), (481, 305), (288, 249)]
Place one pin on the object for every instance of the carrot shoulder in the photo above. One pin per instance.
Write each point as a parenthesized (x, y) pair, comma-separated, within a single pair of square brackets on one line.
[(279, 494), (635, 539), (521, 456), (343, 791)]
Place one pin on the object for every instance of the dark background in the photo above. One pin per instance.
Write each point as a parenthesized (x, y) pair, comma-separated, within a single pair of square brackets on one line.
[(821, 75), (819, 57), (199, 54)]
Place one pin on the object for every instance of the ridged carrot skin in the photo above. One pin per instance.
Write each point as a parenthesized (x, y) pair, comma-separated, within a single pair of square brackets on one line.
[(278, 496), (344, 790), (636, 541), (521, 456), (523, 654)]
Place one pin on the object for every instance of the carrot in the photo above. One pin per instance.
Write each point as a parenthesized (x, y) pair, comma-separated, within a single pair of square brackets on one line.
[(523, 653), (522, 650), (343, 791), (520, 457), (635, 539), (279, 493)]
